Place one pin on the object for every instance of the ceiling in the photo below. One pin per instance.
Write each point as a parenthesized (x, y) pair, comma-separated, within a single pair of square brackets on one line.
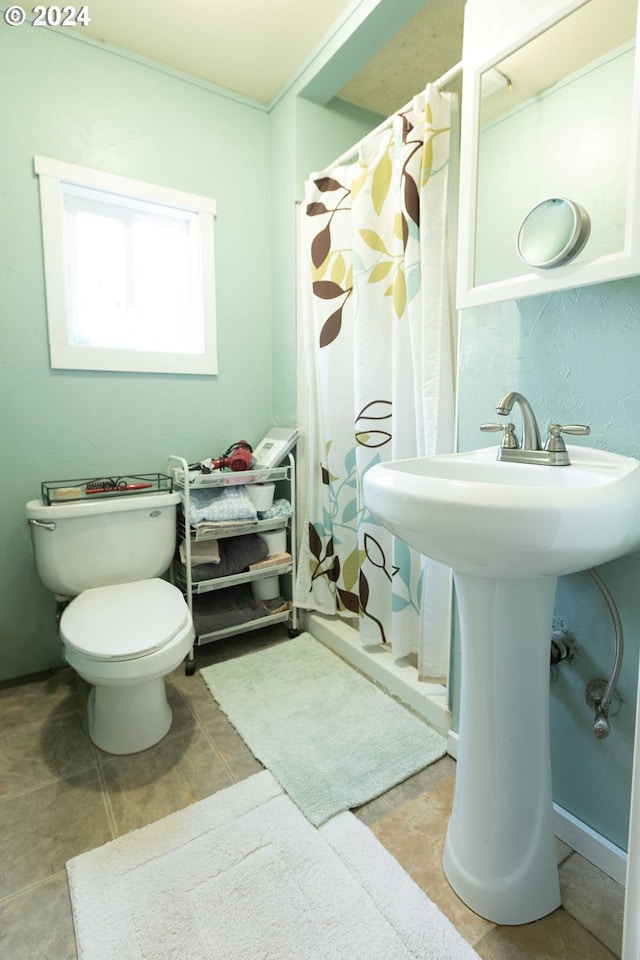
[(254, 47), (425, 48)]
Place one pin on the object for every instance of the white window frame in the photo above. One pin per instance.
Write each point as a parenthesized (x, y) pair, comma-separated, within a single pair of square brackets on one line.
[(64, 354)]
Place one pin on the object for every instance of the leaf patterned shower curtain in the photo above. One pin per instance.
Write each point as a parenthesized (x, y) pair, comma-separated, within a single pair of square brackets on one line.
[(377, 340)]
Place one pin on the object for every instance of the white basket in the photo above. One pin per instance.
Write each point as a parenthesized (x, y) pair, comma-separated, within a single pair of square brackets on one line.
[(261, 495)]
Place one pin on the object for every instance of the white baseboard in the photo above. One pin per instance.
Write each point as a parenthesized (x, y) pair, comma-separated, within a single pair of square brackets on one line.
[(595, 848), (591, 845)]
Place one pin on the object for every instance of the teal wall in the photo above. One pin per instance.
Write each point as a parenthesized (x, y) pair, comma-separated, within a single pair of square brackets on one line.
[(85, 104), (76, 102), (575, 357), (325, 133)]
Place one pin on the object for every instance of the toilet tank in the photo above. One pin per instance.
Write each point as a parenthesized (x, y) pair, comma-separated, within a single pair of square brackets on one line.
[(97, 543)]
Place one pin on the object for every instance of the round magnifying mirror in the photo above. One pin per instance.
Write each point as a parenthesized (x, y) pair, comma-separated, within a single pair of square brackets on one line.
[(553, 232)]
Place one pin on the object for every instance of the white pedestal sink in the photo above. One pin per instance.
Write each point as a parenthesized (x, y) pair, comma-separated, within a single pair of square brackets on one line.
[(508, 530)]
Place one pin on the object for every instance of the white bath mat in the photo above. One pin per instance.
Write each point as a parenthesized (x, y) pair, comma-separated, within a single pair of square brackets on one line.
[(330, 737), (243, 875)]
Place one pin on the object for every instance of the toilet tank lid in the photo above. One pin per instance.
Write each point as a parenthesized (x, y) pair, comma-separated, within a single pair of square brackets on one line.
[(37, 510), (124, 621)]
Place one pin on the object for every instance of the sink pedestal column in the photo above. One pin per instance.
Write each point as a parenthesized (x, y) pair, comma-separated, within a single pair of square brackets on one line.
[(500, 854)]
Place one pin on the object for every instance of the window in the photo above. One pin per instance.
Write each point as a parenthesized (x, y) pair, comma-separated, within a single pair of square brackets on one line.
[(129, 271)]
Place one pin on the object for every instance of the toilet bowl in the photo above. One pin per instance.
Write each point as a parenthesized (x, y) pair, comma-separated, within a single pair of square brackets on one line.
[(124, 628), (123, 640)]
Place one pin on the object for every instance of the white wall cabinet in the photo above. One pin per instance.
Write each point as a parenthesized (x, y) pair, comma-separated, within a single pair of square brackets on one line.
[(550, 109)]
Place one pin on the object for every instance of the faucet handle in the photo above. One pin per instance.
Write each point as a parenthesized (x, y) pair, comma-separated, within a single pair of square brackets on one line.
[(509, 441), (555, 441), (579, 429), (555, 444)]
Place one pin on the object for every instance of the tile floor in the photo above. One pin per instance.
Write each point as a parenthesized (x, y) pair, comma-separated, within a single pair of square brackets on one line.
[(59, 796)]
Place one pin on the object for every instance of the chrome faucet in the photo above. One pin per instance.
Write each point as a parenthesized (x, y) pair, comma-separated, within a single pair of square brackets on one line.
[(554, 453), (530, 432)]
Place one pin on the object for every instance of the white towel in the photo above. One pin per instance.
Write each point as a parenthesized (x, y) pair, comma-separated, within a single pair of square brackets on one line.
[(220, 504), (202, 551)]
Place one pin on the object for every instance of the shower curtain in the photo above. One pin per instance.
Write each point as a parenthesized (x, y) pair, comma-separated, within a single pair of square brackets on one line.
[(378, 355)]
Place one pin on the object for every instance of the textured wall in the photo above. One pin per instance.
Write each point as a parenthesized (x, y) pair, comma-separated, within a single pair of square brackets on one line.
[(76, 102), (574, 356), (84, 104)]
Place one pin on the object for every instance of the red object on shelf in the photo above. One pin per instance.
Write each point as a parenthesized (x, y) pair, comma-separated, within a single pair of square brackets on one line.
[(119, 488), (238, 457)]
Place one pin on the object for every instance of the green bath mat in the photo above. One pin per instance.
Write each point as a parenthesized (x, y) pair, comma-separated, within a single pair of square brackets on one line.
[(330, 737)]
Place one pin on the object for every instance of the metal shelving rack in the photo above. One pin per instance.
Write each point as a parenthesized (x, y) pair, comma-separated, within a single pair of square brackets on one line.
[(185, 480)]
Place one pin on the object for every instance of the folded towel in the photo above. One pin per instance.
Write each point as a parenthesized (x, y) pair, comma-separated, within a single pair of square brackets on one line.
[(215, 528), (226, 608), (213, 504), (279, 508), (236, 555), (202, 551)]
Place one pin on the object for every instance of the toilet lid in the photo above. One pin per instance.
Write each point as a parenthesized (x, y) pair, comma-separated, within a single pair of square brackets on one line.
[(124, 621)]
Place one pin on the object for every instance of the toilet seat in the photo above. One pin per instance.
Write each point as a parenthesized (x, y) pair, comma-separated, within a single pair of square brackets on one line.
[(124, 621)]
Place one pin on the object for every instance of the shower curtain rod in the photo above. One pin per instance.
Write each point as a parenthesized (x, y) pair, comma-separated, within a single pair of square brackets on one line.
[(352, 152)]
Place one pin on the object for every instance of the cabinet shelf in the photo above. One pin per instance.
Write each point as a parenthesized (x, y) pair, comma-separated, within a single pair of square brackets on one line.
[(219, 583), (237, 529), (205, 612), (196, 480), (246, 626)]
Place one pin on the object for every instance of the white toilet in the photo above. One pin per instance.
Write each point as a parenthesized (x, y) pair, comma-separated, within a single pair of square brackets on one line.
[(126, 628)]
